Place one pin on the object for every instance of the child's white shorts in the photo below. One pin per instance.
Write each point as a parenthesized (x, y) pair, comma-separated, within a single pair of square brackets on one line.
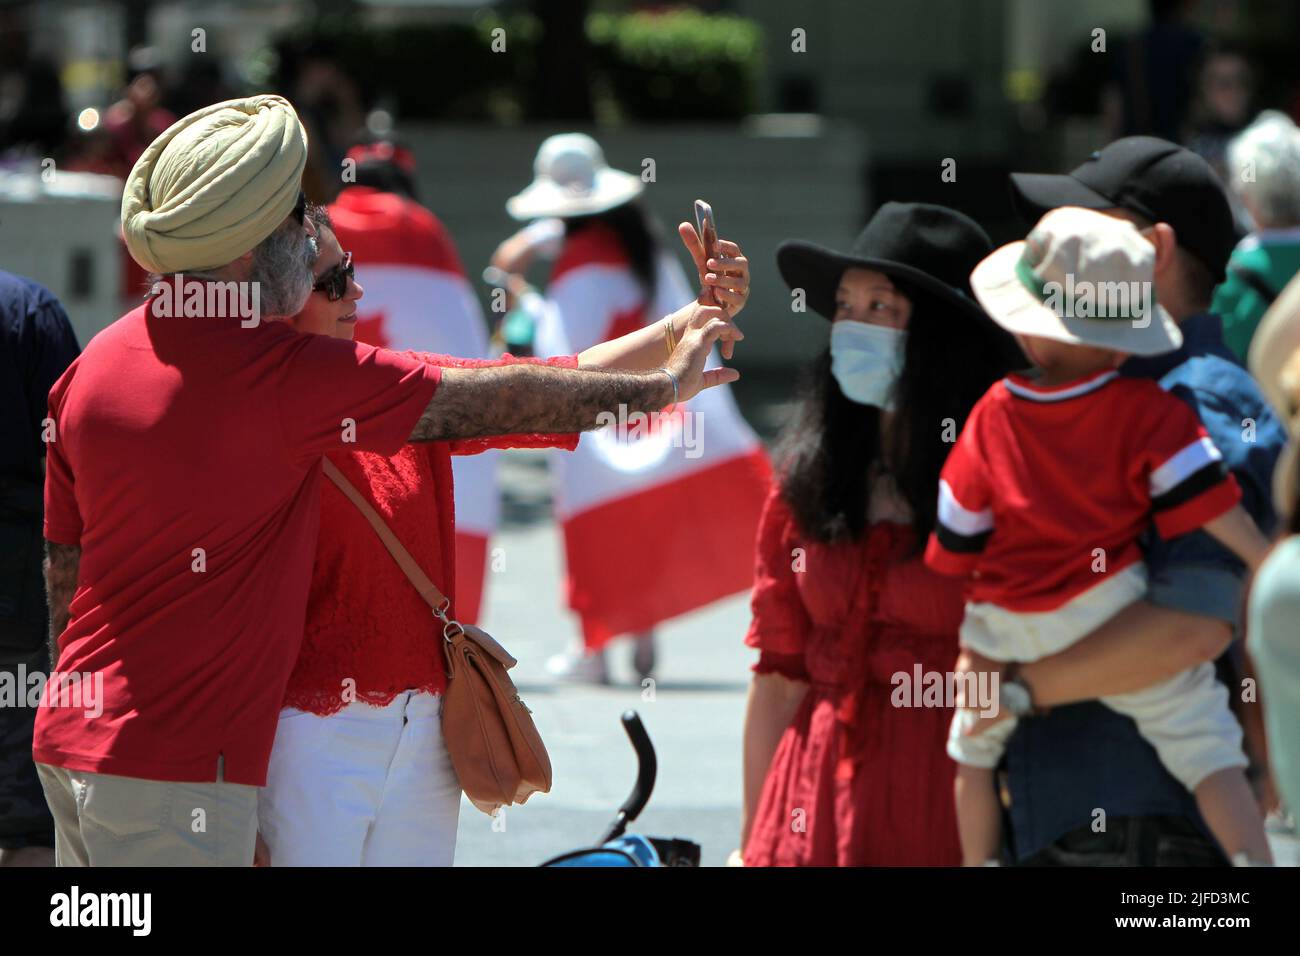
[(1186, 718)]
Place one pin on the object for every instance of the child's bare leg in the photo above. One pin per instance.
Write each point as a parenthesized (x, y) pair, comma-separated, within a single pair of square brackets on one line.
[(1228, 806), (979, 819)]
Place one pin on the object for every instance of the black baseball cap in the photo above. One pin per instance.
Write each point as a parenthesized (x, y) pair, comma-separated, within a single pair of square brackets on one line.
[(1159, 180)]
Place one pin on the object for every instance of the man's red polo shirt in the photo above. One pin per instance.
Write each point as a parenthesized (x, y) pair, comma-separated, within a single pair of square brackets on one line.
[(187, 466)]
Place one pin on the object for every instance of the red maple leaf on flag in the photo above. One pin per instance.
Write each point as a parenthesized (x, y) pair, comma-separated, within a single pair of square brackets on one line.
[(370, 329)]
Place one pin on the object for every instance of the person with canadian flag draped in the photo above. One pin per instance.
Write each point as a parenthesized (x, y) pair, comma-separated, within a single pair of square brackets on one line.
[(633, 499), (417, 297)]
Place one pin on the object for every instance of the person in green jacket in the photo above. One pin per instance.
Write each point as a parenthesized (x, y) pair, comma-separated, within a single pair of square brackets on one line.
[(1264, 175)]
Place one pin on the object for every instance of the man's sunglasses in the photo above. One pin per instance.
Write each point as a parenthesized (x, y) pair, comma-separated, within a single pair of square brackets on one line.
[(299, 211), (335, 282)]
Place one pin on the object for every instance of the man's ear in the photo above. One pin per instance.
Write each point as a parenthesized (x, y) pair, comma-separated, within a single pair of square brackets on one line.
[(1166, 243), (242, 267)]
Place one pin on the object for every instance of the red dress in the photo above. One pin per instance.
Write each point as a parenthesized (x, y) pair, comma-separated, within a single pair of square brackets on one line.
[(855, 781)]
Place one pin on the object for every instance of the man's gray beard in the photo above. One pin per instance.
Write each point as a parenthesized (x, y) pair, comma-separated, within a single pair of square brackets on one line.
[(282, 269)]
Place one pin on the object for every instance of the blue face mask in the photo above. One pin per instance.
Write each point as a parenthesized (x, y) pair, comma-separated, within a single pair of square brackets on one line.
[(866, 361)]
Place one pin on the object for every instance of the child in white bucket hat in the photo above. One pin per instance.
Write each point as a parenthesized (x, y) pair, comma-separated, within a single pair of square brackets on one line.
[(1047, 490)]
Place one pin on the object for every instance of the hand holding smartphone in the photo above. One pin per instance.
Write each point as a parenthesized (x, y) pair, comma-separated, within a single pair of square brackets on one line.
[(707, 228)]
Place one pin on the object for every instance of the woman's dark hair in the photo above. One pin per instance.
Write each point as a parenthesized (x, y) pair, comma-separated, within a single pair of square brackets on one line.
[(320, 215), (387, 178), (823, 456), (382, 174), (638, 234)]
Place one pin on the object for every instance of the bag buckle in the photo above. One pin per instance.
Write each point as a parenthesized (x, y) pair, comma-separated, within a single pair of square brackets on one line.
[(450, 627)]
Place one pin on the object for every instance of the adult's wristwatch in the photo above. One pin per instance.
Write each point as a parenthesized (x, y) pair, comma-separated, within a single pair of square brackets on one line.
[(1014, 694)]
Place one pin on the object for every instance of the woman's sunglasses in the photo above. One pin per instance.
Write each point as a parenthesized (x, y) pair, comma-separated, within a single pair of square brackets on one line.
[(335, 282)]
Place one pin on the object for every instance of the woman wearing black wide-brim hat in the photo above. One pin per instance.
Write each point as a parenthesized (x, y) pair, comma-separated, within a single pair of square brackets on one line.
[(844, 746)]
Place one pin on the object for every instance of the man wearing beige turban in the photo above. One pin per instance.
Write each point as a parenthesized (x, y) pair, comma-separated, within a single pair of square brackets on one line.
[(183, 481), (1274, 611)]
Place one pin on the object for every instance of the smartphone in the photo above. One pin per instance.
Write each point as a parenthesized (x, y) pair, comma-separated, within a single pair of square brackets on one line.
[(707, 227)]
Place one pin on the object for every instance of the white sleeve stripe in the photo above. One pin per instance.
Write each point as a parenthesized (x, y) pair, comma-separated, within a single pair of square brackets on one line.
[(961, 520), (1182, 465)]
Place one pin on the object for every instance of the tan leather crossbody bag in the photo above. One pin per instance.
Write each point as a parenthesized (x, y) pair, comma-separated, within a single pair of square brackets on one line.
[(489, 732)]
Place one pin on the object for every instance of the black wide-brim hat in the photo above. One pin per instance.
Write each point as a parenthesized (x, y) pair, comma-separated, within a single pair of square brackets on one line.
[(931, 249)]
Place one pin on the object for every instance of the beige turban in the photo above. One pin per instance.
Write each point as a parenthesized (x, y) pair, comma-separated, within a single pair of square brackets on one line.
[(214, 184)]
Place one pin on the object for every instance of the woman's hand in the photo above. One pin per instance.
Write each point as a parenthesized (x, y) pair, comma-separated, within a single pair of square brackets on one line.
[(704, 326), (724, 279)]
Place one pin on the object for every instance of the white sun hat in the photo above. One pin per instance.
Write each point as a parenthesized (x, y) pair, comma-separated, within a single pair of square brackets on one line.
[(1080, 277), (571, 178)]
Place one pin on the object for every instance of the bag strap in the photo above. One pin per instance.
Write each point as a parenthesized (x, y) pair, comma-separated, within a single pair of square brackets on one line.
[(440, 603)]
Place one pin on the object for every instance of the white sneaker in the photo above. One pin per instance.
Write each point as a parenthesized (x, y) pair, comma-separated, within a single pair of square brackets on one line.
[(577, 667)]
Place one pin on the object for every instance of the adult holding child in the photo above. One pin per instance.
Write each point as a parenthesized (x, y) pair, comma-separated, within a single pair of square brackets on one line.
[(1079, 756), (1043, 499)]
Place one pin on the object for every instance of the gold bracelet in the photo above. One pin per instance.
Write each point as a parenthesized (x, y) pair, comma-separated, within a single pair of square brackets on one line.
[(669, 340)]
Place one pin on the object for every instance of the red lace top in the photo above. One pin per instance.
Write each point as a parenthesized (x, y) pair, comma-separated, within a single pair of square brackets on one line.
[(369, 635)]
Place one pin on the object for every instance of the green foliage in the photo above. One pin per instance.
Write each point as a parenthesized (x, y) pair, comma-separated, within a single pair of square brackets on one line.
[(671, 65), (678, 64)]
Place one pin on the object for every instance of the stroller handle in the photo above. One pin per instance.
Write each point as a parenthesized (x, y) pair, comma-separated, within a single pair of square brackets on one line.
[(647, 768)]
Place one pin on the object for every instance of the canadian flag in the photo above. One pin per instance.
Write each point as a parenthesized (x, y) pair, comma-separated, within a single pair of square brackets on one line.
[(417, 298), (659, 516)]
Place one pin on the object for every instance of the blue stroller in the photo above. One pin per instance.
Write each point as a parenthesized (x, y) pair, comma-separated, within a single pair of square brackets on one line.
[(619, 848)]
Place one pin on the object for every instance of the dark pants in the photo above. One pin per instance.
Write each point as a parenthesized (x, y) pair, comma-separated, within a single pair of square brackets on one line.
[(1134, 841), (24, 815)]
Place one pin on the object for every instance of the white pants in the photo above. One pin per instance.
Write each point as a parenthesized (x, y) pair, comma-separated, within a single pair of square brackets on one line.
[(1185, 718), (367, 786)]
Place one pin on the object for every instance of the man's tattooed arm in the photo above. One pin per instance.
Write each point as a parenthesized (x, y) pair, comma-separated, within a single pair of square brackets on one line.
[(516, 399), (62, 562)]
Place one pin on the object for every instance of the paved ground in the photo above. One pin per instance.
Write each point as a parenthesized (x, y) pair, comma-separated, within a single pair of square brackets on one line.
[(694, 713)]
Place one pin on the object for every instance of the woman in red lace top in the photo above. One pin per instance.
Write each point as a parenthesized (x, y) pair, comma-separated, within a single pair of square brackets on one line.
[(359, 774), (835, 773)]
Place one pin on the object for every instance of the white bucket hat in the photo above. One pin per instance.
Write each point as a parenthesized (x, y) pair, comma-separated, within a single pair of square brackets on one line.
[(1080, 277), (571, 178)]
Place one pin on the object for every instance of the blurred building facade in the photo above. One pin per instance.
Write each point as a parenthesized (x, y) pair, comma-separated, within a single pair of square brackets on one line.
[(853, 103)]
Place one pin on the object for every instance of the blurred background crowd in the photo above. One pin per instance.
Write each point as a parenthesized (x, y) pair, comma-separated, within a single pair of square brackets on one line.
[(813, 114)]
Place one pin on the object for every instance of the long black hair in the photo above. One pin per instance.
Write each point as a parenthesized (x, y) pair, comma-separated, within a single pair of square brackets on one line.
[(950, 360), (636, 230)]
